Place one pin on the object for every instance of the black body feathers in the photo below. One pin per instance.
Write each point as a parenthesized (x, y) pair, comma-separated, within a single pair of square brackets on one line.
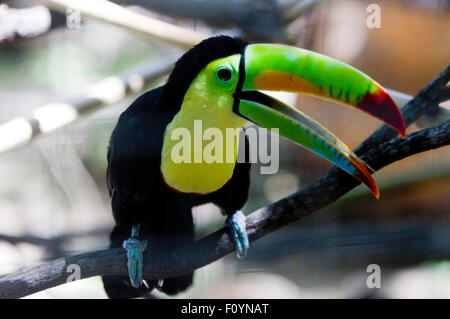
[(137, 189)]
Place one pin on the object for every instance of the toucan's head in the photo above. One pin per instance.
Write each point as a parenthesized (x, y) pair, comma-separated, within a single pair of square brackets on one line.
[(223, 75)]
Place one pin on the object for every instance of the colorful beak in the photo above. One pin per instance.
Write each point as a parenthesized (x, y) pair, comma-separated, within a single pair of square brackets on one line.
[(290, 69)]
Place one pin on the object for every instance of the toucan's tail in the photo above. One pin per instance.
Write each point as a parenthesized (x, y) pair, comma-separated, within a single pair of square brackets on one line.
[(163, 232)]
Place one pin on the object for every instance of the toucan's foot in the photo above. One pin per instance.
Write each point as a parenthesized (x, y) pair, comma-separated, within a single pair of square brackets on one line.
[(134, 248), (238, 230)]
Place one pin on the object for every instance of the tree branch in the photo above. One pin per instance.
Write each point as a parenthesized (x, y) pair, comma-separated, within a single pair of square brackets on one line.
[(144, 26), (259, 20), (49, 117), (411, 112), (323, 192)]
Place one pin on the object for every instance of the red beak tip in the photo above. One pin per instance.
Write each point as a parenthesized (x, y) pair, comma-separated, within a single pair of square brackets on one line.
[(366, 178), (381, 105), (395, 118), (403, 131), (401, 128), (374, 189), (377, 193)]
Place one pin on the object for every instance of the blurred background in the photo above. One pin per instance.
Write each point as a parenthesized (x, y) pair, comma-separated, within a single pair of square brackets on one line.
[(53, 196)]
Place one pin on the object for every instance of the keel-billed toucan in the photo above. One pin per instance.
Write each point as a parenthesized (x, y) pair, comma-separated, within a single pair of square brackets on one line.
[(216, 82)]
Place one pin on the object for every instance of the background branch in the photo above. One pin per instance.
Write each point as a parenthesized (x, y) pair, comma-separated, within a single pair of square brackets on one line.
[(291, 11), (323, 192), (412, 111), (52, 116), (147, 27), (258, 20)]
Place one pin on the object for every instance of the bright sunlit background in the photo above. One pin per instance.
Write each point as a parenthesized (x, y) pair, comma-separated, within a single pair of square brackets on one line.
[(53, 196)]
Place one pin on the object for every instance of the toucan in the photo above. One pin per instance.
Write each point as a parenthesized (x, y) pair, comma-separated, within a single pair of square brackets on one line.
[(218, 82)]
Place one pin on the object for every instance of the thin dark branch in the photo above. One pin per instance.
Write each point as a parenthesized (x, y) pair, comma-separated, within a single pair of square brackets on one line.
[(412, 111), (53, 246), (91, 99), (263, 221), (323, 192), (445, 94)]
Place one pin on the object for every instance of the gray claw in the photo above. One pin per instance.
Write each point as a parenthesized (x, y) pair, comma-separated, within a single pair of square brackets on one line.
[(134, 248), (238, 230)]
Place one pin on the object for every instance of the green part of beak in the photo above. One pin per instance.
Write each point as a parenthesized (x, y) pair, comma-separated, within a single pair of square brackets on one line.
[(284, 68), (313, 73), (292, 124)]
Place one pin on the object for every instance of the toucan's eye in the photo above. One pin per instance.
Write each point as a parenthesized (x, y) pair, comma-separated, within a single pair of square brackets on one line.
[(224, 74)]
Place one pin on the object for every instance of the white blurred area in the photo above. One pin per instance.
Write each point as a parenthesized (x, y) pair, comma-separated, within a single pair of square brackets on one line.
[(346, 31)]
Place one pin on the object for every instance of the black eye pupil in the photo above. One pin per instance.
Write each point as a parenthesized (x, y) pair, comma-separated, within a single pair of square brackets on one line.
[(224, 74)]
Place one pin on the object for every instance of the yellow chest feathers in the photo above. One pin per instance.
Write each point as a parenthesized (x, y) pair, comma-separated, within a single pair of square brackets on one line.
[(201, 144)]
